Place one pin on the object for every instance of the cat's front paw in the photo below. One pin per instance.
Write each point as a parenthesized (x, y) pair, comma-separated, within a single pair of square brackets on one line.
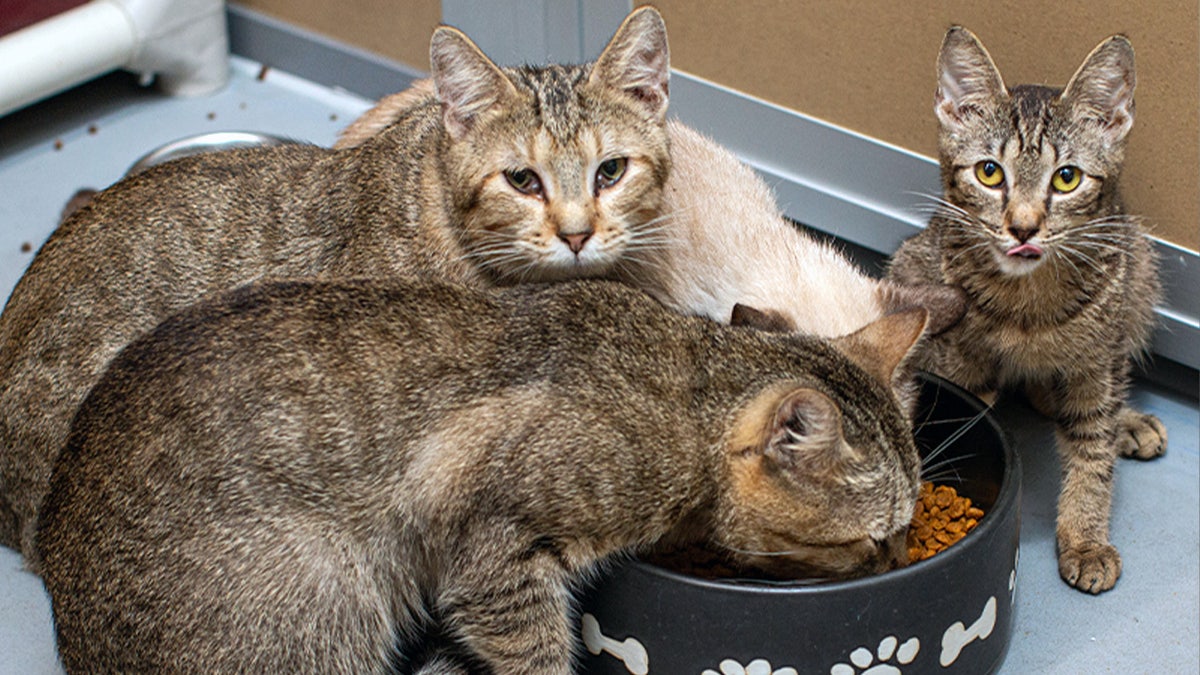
[(1139, 435), (1092, 568)]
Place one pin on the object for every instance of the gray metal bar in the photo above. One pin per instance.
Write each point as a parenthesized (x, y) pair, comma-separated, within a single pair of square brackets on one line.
[(315, 57)]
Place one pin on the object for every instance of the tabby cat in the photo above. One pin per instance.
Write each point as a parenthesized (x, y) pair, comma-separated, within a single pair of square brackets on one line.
[(723, 241), (298, 476), (510, 175), (1061, 282)]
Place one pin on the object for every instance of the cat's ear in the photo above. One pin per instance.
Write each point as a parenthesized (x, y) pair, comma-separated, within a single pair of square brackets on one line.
[(761, 319), (805, 434), (884, 348), (637, 61), (945, 304), (1101, 91), (467, 82), (793, 427), (806, 423), (968, 80)]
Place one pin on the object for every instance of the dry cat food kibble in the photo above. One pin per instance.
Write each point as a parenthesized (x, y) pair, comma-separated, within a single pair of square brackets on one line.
[(940, 518)]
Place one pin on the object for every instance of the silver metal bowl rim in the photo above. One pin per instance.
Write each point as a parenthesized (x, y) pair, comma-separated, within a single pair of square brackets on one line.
[(206, 142)]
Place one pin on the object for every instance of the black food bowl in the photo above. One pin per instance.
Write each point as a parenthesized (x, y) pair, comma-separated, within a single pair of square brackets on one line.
[(951, 613)]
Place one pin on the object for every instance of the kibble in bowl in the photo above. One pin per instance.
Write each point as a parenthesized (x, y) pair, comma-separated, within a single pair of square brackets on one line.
[(948, 611), (941, 518)]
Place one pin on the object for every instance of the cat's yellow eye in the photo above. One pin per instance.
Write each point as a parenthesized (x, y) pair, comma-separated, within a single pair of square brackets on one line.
[(1066, 179), (524, 181), (610, 172), (989, 173)]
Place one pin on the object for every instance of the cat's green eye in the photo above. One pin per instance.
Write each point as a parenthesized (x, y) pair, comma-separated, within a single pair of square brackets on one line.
[(610, 172), (524, 181), (1066, 179), (989, 173)]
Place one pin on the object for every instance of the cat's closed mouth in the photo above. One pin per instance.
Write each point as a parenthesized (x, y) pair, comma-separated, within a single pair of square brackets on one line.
[(1024, 251)]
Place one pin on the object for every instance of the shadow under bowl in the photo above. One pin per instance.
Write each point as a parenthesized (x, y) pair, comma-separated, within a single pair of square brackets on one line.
[(951, 613)]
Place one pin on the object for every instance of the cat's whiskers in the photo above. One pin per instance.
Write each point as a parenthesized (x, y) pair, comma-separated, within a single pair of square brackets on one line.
[(633, 259), (658, 237), (950, 475), (931, 462), (497, 256), (1070, 253), (963, 221), (511, 263), (1103, 245), (985, 244), (1106, 234), (757, 554), (940, 205), (969, 226), (1116, 230), (643, 242), (665, 223), (1094, 244), (930, 472), (1103, 236), (1120, 219)]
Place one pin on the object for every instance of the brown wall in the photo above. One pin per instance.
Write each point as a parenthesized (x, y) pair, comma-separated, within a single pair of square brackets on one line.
[(869, 66), (397, 29)]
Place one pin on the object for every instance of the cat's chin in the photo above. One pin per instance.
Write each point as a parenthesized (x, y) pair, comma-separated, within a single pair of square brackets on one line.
[(557, 272), (1019, 260)]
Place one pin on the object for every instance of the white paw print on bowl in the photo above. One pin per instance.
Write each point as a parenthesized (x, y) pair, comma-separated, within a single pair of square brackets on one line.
[(755, 667), (889, 647)]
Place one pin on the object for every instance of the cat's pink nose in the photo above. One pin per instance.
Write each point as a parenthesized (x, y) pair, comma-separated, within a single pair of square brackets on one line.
[(576, 242)]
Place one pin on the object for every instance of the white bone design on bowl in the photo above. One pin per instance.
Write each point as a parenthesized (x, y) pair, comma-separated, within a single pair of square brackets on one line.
[(630, 652), (956, 636)]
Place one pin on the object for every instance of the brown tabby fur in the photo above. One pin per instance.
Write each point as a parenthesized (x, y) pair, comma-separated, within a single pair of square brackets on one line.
[(431, 194), (1061, 284), (295, 476)]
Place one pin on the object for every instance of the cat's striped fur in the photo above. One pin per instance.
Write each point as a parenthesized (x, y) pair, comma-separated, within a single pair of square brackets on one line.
[(295, 478), (1061, 281)]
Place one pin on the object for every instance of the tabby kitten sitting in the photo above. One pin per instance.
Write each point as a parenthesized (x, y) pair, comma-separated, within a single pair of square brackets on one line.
[(508, 175), (1061, 281), (298, 476)]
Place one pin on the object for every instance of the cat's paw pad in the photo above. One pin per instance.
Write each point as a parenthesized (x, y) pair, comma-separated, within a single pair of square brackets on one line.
[(1139, 435), (1093, 569), (862, 660)]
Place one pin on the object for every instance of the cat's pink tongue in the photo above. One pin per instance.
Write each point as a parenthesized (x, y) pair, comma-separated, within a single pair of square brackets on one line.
[(1025, 251)]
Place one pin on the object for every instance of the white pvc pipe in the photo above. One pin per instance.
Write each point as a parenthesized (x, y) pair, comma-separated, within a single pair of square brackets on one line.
[(182, 42), (64, 50)]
